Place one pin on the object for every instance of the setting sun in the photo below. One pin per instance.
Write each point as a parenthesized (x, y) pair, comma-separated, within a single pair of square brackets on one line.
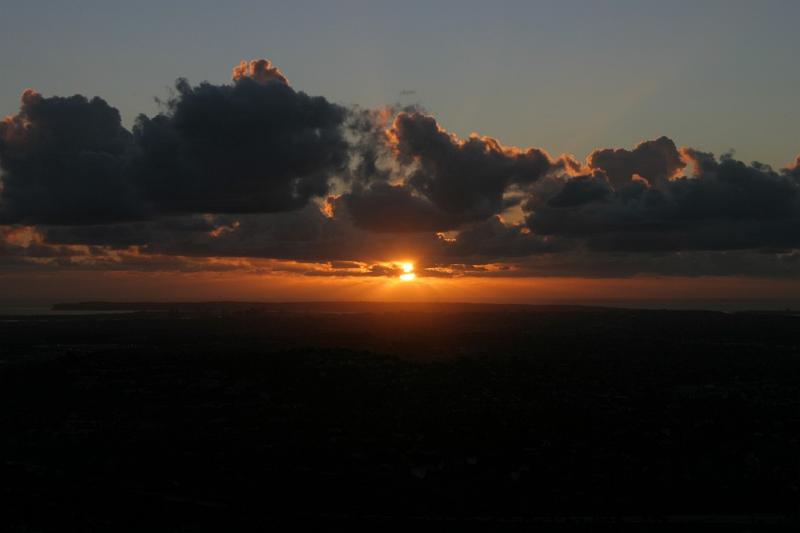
[(408, 272)]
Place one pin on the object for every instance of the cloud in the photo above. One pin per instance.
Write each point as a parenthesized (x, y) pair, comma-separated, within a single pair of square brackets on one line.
[(255, 146), (726, 205), (386, 208), (581, 190), (435, 181), (656, 161), (494, 240), (371, 271), (465, 178), (66, 161), (794, 170), (230, 175), (260, 70)]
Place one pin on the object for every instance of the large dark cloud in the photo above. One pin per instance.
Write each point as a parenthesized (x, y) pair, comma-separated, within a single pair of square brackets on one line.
[(726, 205), (466, 178), (256, 146), (253, 146), (443, 182), (66, 161), (256, 169)]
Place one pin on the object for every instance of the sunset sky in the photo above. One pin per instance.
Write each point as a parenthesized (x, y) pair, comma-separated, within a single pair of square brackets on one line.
[(496, 151)]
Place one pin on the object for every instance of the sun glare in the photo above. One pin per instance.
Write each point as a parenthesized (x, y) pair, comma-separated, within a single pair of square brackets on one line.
[(408, 272)]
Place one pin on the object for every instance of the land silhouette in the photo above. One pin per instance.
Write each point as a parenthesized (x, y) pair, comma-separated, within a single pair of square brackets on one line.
[(205, 416)]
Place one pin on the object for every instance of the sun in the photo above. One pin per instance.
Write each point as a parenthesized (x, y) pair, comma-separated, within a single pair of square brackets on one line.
[(408, 272)]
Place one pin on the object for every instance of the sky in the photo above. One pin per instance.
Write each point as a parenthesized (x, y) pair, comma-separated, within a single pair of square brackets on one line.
[(501, 144)]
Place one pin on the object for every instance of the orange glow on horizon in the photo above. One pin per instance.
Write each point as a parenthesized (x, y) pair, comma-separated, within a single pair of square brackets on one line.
[(196, 286), (545, 290)]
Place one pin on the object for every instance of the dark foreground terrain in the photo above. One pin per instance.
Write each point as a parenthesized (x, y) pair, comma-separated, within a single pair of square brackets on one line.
[(230, 417)]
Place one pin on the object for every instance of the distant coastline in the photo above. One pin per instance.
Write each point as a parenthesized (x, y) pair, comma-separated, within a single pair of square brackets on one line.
[(316, 307), (422, 307)]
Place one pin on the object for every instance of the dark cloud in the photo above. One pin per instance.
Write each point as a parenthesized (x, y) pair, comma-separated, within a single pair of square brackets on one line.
[(255, 170), (253, 146), (129, 234), (303, 235), (656, 161), (581, 190), (465, 178), (256, 146), (65, 161), (727, 204), (494, 240), (794, 170), (395, 209), (598, 264)]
